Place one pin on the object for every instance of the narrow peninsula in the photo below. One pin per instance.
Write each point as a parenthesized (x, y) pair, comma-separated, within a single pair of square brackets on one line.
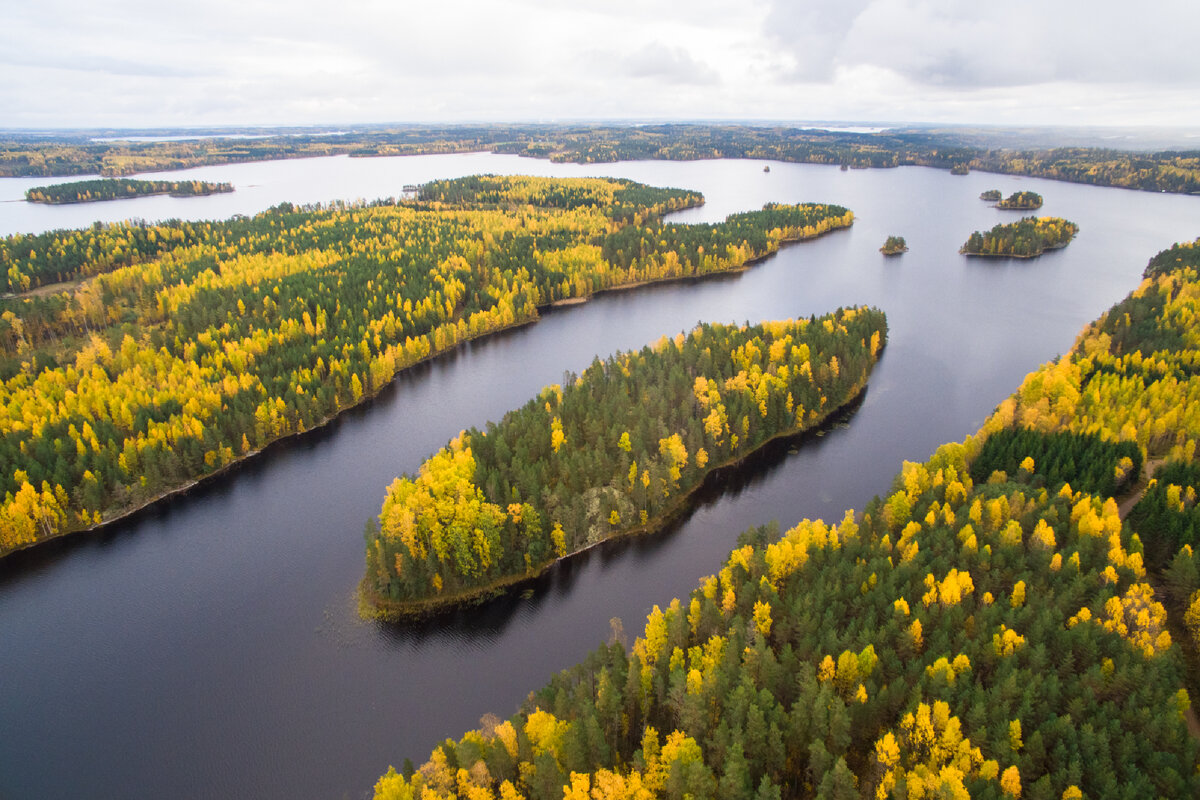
[(1027, 238), (616, 450), (119, 189)]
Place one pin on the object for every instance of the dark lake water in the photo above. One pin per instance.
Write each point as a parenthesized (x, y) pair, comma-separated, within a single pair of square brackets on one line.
[(210, 648)]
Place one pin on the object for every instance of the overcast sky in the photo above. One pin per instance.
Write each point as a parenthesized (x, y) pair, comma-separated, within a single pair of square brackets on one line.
[(135, 63)]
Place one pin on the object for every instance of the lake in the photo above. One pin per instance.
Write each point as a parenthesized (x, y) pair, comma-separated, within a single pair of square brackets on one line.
[(210, 647)]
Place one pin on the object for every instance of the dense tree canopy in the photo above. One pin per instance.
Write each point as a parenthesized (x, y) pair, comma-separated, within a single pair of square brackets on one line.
[(957, 638), (1029, 237), (1021, 201), (1177, 256), (190, 345), (610, 451), (118, 189)]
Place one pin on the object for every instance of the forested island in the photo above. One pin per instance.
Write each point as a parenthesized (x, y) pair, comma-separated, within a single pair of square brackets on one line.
[(192, 345), (991, 195), (1005, 635), (1164, 171), (1027, 238), (612, 451), (119, 189), (1021, 201), (894, 246)]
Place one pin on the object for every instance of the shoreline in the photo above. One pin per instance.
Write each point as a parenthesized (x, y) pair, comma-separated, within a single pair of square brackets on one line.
[(1043, 251), (126, 197), (371, 606), (125, 513)]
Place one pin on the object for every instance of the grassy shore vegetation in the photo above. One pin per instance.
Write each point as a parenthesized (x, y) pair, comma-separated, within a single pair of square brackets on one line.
[(119, 189), (1027, 238), (1021, 201), (1165, 171), (195, 344), (611, 451), (1002, 638)]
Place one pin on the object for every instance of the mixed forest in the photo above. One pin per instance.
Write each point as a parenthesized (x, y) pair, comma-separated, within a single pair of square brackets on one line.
[(608, 452), (1027, 238), (1164, 171), (990, 628), (191, 345), (119, 189), (1021, 201)]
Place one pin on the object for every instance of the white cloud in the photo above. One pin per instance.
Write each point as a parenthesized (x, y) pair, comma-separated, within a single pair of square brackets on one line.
[(137, 62)]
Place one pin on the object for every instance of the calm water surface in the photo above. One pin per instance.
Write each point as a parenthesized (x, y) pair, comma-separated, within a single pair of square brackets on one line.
[(210, 648)]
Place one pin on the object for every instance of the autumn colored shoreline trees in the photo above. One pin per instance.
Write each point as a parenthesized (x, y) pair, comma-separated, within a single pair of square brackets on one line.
[(999, 637), (1027, 238), (1021, 201), (192, 345), (612, 451), (119, 189)]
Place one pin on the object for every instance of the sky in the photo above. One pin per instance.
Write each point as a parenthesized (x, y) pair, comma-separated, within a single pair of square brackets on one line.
[(147, 63)]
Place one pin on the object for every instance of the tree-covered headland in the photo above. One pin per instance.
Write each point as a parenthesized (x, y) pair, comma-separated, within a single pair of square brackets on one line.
[(998, 636), (192, 345), (612, 451), (119, 189), (1027, 238)]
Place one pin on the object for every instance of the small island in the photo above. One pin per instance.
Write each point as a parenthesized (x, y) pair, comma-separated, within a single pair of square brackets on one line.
[(617, 450), (1021, 201), (119, 189), (1027, 238), (991, 196), (894, 246)]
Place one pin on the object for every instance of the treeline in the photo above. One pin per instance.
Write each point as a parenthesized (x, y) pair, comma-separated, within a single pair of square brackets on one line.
[(1167, 171), (196, 344), (623, 203), (610, 451), (955, 639), (1176, 257), (119, 189), (1021, 201), (1029, 237)]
